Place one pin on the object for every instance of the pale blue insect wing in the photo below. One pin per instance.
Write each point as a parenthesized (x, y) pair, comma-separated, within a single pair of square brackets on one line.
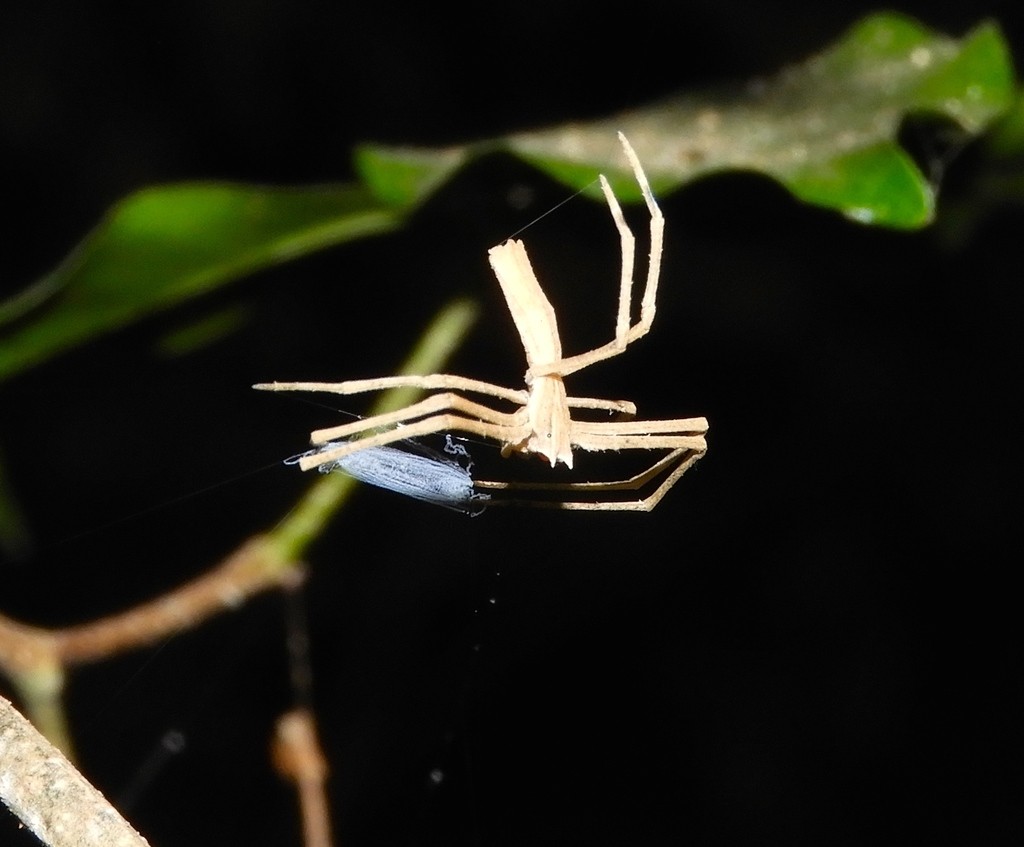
[(421, 474)]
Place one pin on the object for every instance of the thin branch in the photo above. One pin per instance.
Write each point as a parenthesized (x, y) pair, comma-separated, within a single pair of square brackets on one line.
[(50, 796), (298, 757)]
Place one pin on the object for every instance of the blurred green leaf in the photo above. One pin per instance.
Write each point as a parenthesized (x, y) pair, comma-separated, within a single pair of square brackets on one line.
[(1007, 136), (15, 540), (162, 245), (202, 332), (826, 129)]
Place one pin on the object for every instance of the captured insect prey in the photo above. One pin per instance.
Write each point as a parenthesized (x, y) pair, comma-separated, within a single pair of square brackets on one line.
[(539, 421), (411, 469)]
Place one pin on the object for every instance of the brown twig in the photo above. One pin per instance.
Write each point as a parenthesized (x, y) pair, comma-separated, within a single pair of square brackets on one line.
[(250, 570), (35, 658), (298, 757)]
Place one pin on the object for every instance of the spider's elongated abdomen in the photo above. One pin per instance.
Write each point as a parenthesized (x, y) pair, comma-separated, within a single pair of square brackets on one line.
[(531, 310), (547, 410)]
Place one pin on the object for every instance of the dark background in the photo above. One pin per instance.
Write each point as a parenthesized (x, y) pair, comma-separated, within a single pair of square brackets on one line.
[(809, 640)]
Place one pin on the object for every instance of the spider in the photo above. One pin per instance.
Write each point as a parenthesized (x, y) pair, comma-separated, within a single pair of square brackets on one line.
[(543, 424)]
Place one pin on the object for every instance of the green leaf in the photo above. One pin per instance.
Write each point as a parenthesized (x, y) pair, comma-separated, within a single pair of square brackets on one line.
[(826, 129), (162, 245)]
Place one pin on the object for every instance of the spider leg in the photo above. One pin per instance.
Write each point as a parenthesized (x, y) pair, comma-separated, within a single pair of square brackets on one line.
[(445, 382), (622, 406), (640, 435), (448, 382), (422, 408), (625, 429), (446, 422), (624, 333), (616, 443), (673, 465)]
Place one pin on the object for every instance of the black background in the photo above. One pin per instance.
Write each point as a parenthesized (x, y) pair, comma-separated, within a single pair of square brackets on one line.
[(809, 640)]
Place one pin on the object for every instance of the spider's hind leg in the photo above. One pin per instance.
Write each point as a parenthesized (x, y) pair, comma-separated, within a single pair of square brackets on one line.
[(624, 333), (592, 495)]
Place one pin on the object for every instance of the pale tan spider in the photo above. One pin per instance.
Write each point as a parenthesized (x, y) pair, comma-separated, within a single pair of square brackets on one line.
[(542, 425)]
